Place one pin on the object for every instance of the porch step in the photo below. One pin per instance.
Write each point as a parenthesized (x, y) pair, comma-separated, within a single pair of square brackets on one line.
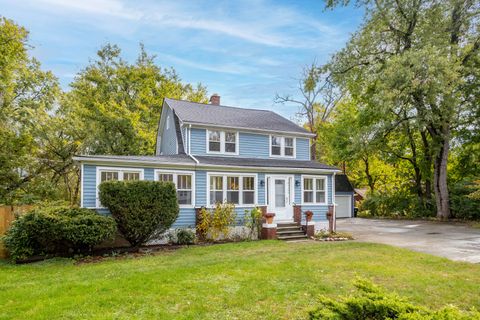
[(293, 238), (290, 232)]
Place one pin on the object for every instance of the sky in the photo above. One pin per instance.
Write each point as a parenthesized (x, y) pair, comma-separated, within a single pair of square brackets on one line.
[(246, 51)]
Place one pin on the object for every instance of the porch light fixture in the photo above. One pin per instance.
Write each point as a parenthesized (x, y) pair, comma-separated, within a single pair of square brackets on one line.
[(297, 183), (262, 183)]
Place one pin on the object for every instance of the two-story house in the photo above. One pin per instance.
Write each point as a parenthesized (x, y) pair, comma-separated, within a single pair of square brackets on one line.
[(217, 153)]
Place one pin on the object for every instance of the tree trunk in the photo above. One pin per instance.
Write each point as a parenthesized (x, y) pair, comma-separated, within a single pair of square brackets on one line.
[(428, 164), (371, 181), (440, 178)]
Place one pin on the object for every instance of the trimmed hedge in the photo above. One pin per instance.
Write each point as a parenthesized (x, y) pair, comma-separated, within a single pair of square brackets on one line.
[(142, 209), (57, 231), (370, 302)]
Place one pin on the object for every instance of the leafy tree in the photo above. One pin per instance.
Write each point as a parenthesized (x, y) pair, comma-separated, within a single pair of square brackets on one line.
[(118, 104), (27, 97), (417, 60), (318, 98)]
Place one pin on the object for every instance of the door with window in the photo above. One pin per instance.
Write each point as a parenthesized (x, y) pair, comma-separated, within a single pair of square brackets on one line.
[(280, 197)]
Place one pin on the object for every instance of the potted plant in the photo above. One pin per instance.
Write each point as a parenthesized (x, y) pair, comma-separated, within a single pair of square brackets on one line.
[(308, 215), (269, 217)]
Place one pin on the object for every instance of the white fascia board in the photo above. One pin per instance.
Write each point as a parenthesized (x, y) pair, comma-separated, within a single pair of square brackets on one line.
[(264, 131)]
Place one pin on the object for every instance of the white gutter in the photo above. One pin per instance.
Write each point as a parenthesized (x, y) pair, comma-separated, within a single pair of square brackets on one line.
[(291, 133), (189, 144)]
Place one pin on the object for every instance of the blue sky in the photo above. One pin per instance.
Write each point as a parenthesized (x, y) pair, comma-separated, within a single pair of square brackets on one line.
[(246, 51)]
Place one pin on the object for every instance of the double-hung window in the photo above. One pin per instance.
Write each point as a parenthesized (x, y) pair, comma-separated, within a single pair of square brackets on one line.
[(183, 183), (282, 146), (314, 190), (117, 174), (232, 188), (223, 142)]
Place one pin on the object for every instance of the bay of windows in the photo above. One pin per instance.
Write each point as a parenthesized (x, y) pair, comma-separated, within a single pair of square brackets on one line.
[(314, 190), (232, 188), (282, 146), (114, 174), (222, 141), (183, 184)]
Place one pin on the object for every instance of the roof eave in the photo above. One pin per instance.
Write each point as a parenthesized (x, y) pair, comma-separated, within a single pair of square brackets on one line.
[(103, 161), (208, 125)]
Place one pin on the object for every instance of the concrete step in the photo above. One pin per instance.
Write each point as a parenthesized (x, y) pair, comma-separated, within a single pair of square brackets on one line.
[(290, 232), (286, 224), (293, 237), (288, 228)]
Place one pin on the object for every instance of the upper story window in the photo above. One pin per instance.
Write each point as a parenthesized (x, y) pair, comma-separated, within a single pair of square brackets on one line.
[(183, 182), (282, 146), (223, 142), (314, 190)]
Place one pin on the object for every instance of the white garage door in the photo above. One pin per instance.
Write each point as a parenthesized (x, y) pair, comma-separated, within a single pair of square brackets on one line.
[(344, 206)]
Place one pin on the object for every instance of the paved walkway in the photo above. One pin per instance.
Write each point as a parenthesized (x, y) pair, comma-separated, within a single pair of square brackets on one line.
[(451, 240)]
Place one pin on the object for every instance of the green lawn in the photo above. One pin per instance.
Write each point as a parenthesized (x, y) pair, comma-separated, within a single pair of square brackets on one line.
[(255, 280)]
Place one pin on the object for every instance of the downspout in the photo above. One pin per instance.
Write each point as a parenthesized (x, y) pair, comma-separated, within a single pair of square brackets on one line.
[(189, 146), (334, 203)]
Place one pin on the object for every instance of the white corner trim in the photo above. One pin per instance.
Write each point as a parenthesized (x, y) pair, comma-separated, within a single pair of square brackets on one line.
[(82, 178)]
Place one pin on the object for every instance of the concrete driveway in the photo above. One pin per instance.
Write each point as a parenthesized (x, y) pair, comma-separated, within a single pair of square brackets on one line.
[(451, 240)]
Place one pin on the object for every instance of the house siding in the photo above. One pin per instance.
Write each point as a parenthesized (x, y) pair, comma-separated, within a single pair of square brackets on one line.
[(303, 149), (251, 145), (186, 216), (169, 136)]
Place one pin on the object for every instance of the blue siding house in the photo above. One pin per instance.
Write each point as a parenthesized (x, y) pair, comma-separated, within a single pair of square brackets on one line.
[(252, 158)]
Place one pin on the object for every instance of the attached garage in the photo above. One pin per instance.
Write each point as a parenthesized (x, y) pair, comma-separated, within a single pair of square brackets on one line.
[(344, 193)]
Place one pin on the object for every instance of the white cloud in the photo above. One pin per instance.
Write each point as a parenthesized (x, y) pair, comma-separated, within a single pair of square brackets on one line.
[(253, 21)]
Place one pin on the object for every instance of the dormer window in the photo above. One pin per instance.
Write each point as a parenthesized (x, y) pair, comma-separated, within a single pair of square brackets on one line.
[(282, 146), (222, 142)]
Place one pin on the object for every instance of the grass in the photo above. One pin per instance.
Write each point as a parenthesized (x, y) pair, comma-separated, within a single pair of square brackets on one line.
[(252, 280)]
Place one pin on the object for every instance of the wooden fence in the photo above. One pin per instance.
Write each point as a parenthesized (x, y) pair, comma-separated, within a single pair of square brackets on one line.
[(7, 215)]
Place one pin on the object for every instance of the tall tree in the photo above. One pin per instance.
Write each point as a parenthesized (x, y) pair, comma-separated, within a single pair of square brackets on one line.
[(418, 56), (318, 98), (118, 104), (27, 96)]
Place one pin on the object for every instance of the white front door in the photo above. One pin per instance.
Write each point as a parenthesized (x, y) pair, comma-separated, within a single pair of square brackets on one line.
[(280, 197)]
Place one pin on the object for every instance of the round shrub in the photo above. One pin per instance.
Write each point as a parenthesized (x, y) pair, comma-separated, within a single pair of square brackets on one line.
[(142, 209), (57, 231), (185, 236)]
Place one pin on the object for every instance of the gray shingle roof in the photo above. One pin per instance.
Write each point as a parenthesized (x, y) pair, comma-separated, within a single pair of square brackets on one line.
[(172, 159), (207, 114), (258, 162), (211, 160), (342, 184)]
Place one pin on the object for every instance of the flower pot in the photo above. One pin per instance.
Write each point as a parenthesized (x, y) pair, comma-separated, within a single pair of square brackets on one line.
[(269, 217), (308, 215)]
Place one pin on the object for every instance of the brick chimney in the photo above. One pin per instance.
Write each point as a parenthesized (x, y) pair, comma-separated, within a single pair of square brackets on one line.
[(215, 99)]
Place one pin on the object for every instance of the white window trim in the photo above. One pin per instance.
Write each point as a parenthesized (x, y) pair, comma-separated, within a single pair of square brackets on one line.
[(222, 142), (120, 171), (224, 189), (175, 173), (282, 147), (315, 190)]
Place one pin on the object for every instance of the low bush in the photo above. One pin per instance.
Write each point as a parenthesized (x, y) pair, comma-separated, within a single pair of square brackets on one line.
[(57, 231), (394, 204), (143, 210), (322, 234), (216, 222), (183, 236), (370, 302), (253, 221), (464, 204)]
